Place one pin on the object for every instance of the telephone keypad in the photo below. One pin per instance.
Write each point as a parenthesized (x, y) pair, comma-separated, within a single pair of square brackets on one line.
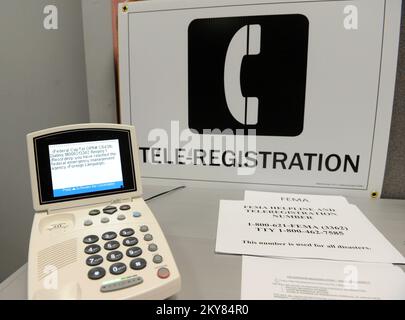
[(113, 259)]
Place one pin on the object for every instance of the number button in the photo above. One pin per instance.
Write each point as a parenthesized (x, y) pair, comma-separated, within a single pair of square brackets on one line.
[(111, 245), (114, 256), (92, 249), (94, 260), (96, 273), (134, 252), (109, 235), (127, 232), (90, 239), (118, 268), (129, 242)]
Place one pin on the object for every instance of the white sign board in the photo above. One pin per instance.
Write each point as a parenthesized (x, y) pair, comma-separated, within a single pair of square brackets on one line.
[(276, 94)]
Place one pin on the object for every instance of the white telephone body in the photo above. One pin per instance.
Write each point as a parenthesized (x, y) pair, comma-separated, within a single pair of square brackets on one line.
[(246, 41), (93, 236)]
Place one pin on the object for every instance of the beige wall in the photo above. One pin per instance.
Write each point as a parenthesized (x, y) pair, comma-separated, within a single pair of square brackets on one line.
[(42, 84), (394, 181)]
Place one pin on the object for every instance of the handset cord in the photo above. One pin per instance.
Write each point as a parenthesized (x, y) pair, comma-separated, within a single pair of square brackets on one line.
[(165, 192)]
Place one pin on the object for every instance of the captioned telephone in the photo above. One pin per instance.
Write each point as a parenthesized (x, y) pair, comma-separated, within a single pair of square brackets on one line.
[(93, 236)]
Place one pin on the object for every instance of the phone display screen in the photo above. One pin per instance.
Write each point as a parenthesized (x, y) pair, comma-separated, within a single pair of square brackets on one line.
[(84, 167), (84, 163)]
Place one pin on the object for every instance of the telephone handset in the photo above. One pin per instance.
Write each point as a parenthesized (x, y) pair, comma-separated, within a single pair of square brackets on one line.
[(93, 236), (246, 41)]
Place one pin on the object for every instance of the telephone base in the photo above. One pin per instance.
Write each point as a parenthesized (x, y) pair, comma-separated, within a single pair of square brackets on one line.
[(113, 250)]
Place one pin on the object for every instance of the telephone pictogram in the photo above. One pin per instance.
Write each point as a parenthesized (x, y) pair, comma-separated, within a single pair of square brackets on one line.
[(246, 41)]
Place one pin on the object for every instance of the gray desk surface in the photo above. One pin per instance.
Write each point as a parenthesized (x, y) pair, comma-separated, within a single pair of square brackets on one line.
[(189, 218)]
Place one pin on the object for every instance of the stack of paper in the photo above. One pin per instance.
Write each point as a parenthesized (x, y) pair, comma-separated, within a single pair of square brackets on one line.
[(267, 278), (297, 227)]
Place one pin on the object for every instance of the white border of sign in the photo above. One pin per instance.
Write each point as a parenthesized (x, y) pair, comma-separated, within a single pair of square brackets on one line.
[(388, 65)]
